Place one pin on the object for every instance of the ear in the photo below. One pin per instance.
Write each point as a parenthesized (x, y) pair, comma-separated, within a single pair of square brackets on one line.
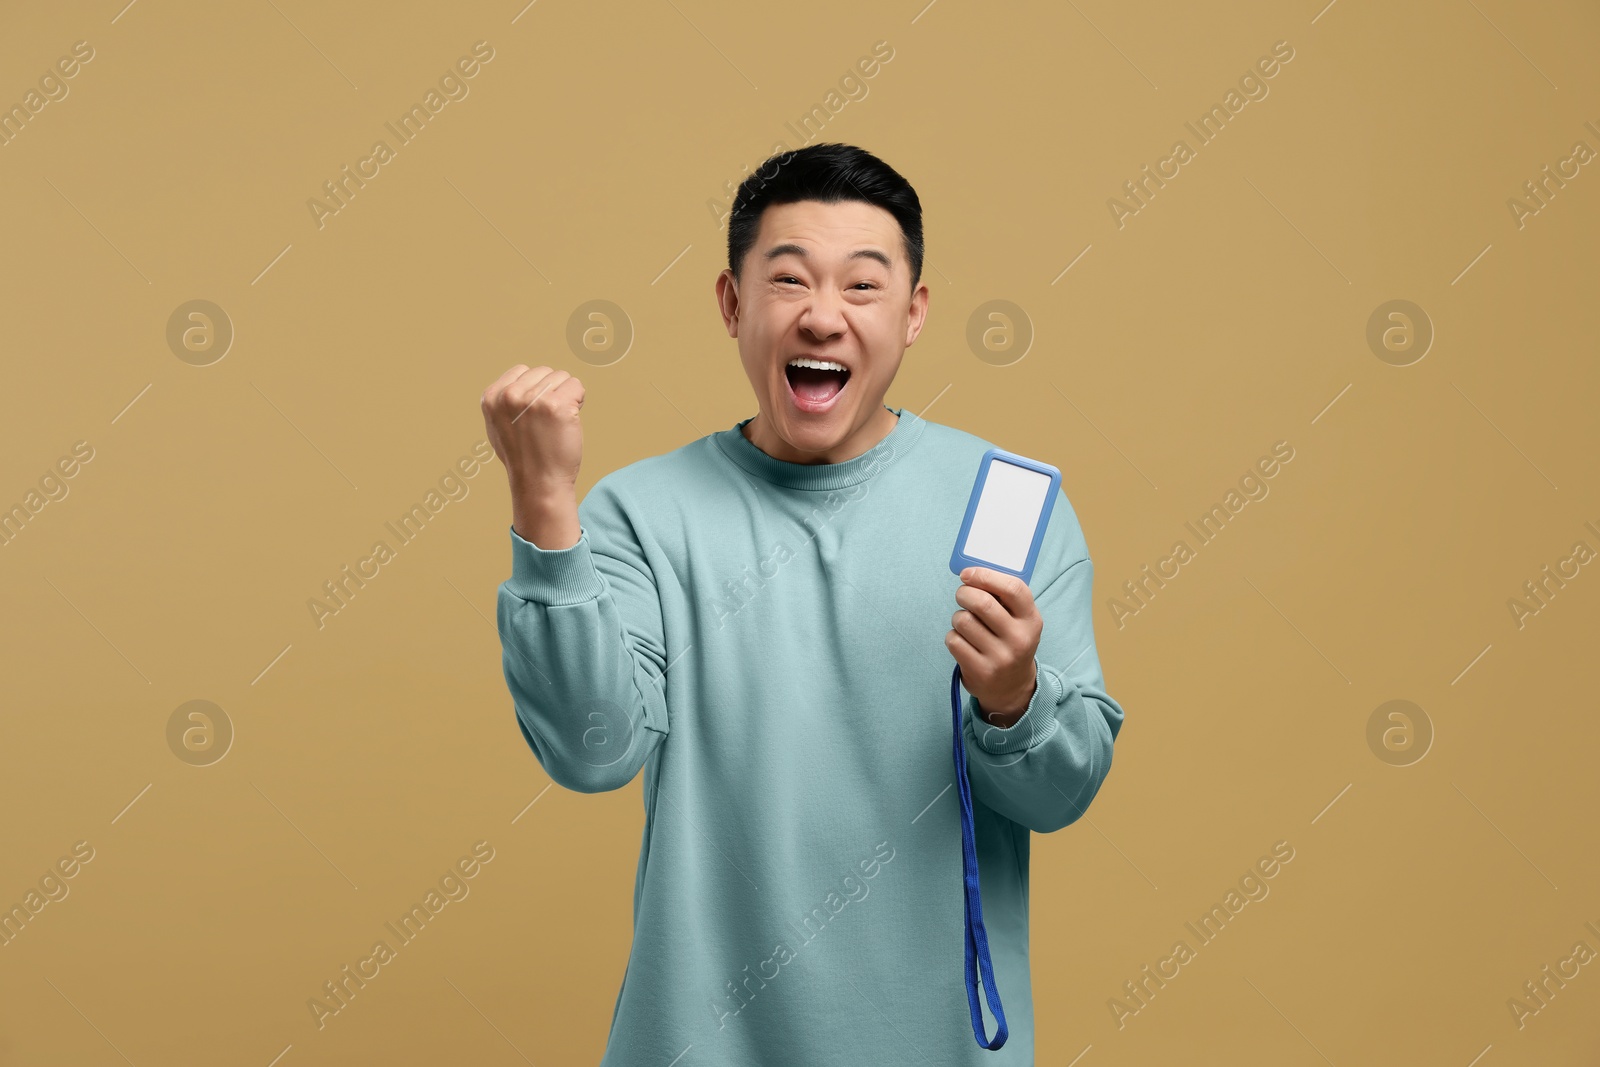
[(728, 301), (918, 313)]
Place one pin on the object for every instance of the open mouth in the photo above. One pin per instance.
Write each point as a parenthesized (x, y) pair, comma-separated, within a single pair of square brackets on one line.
[(815, 383)]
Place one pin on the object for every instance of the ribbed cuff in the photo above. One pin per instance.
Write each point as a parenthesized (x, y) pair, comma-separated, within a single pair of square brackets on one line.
[(554, 577), (1038, 720)]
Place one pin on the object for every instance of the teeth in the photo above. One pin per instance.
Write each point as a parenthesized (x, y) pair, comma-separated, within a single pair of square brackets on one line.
[(818, 364)]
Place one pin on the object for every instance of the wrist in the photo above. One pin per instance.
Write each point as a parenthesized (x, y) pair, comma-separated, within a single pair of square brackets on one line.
[(1001, 720), (547, 518), (1005, 714), (532, 486)]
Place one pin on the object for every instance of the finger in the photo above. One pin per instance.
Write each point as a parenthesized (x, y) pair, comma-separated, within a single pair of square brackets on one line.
[(1012, 592), (509, 379), (987, 609), (571, 389), (977, 633), (557, 394), (528, 392), (965, 655), (491, 395), (568, 389)]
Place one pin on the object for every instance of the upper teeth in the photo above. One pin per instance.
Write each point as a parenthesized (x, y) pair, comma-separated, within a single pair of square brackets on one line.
[(818, 364)]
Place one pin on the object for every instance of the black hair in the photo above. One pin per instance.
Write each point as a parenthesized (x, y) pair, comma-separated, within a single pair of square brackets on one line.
[(829, 173)]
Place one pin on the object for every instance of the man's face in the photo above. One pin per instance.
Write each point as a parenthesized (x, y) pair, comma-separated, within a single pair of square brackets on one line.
[(831, 283)]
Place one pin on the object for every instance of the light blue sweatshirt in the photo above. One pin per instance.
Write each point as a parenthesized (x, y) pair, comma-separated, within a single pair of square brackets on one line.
[(766, 640)]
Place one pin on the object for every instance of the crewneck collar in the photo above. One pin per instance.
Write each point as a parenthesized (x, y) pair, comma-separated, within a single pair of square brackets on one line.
[(819, 476)]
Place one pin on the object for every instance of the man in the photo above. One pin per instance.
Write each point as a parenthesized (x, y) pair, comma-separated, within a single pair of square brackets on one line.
[(754, 619)]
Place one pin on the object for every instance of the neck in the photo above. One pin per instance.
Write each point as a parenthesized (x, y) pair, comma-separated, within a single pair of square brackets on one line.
[(758, 431)]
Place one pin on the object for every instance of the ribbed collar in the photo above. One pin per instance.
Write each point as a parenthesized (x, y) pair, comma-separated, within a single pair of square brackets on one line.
[(818, 476)]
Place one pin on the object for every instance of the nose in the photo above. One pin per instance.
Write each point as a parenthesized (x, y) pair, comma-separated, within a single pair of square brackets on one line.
[(823, 316)]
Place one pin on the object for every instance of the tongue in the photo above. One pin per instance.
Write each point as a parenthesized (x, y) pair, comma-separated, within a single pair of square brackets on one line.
[(815, 386)]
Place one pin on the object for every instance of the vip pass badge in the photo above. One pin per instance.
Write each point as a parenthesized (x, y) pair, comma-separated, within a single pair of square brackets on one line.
[(1002, 530)]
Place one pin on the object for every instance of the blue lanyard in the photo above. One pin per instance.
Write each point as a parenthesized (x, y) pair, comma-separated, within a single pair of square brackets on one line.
[(977, 939)]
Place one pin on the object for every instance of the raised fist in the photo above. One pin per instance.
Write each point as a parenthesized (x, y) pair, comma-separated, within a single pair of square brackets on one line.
[(531, 416)]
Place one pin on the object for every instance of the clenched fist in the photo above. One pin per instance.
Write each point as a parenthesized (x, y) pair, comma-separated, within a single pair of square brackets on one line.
[(995, 638), (531, 416)]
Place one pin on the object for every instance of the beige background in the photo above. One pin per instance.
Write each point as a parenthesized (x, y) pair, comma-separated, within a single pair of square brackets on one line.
[(1229, 314)]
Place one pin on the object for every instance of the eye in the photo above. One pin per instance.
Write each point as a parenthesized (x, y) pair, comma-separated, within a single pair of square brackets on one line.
[(788, 278), (869, 285)]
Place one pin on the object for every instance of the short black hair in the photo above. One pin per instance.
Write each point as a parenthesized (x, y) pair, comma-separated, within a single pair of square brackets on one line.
[(829, 173)]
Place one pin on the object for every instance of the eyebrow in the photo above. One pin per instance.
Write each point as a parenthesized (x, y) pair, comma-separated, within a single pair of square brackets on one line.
[(796, 250)]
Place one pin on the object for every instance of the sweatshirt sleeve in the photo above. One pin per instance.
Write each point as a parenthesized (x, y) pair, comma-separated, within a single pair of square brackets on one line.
[(584, 651), (1044, 769)]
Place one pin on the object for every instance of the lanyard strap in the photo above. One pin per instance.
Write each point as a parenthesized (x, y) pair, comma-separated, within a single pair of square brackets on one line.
[(977, 939)]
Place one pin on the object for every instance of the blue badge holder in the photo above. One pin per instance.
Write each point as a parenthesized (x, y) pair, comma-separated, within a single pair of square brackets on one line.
[(977, 938), (959, 560)]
